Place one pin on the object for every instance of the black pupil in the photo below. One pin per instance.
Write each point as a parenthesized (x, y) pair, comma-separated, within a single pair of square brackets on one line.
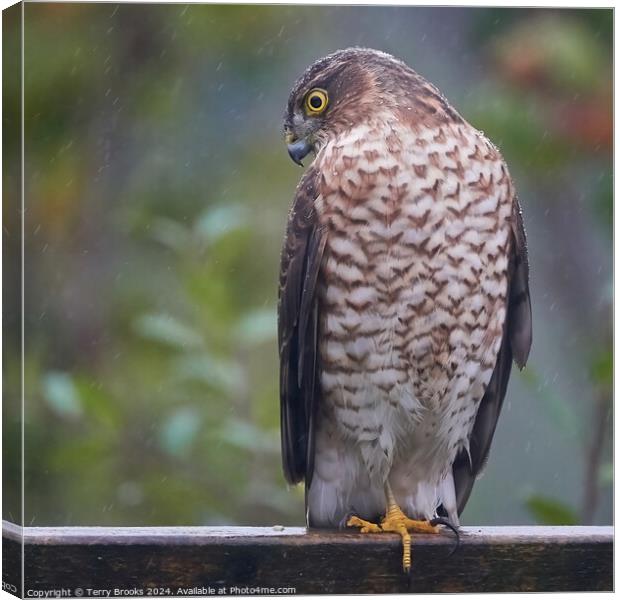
[(316, 102)]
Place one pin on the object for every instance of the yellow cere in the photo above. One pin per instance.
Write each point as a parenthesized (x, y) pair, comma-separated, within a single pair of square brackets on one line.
[(316, 101)]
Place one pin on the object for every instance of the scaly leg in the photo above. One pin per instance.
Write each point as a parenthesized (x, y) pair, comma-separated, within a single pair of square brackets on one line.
[(395, 521)]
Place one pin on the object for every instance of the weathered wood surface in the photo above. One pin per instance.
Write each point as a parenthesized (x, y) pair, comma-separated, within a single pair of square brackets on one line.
[(177, 560)]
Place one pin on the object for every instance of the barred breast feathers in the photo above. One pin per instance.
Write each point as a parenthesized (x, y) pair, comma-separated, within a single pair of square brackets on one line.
[(414, 277)]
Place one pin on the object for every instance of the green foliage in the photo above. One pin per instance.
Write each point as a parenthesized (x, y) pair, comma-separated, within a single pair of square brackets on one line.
[(548, 511), (606, 474), (561, 414), (564, 46), (518, 125), (602, 369), (61, 395)]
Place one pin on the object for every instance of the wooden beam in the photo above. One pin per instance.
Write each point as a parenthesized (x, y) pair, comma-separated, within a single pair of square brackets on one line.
[(182, 560)]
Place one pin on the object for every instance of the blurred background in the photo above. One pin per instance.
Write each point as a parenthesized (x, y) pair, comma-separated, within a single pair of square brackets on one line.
[(157, 189)]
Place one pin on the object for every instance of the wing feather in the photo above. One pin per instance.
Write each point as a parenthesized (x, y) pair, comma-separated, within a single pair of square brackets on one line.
[(300, 263)]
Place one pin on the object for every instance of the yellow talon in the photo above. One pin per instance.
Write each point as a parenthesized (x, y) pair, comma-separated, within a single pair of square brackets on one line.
[(395, 521), (365, 526), (397, 516), (398, 522)]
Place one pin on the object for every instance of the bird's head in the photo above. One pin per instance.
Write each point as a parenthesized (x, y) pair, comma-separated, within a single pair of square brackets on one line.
[(346, 88), (334, 93)]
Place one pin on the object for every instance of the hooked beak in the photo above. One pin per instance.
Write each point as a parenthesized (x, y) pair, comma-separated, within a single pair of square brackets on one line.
[(297, 149)]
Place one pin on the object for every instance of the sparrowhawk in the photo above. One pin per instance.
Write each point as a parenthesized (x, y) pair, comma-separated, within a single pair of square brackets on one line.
[(403, 298)]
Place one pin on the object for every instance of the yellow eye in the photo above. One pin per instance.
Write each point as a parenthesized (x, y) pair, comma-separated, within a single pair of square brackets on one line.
[(316, 101)]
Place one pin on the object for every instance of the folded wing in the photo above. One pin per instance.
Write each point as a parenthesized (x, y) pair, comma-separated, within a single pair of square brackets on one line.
[(300, 261)]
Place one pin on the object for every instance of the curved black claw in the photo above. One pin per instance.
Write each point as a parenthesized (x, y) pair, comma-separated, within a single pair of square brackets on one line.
[(342, 525), (455, 531)]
